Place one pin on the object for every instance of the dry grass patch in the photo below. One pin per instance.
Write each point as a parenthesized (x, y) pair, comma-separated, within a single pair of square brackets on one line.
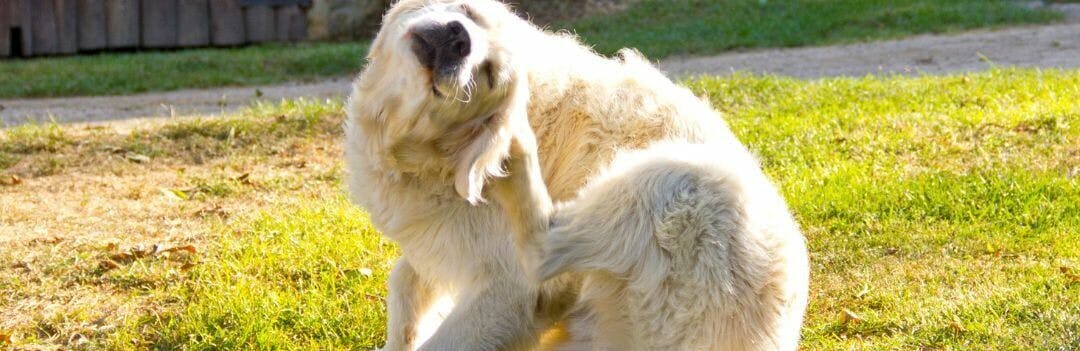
[(97, 221)]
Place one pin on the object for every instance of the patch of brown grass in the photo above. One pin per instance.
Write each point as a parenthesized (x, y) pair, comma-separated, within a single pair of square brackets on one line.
[(95, 219)]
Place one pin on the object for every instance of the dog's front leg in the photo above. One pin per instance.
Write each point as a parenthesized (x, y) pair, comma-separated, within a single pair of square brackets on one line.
[(496, 316), (408, 298)]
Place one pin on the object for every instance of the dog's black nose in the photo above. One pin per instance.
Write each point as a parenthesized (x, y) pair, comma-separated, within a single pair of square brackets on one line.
[(441, 47)]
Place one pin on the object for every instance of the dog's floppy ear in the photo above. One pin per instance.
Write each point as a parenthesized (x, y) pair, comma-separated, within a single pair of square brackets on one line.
[(488, 145), (482, 158)]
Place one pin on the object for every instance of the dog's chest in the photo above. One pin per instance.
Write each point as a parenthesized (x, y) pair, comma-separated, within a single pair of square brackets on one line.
[(446, 239)]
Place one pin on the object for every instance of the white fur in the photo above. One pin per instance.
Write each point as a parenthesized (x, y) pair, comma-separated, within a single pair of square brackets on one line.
[(676, 241), (684, 250)]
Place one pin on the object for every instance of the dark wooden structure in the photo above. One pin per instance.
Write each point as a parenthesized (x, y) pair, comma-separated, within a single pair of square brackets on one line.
[(59, 27)]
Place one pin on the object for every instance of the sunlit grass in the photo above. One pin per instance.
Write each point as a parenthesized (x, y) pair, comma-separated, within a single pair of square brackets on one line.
[(661, 28), (310, 277), (127, 73), (944, 212)]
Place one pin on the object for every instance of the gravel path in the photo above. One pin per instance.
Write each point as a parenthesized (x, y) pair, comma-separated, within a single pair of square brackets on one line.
[(178, 103), (1039, 46), (1045, 46)]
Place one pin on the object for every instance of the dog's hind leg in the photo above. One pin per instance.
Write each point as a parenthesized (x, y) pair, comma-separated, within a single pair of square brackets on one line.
[(526, 200), (685, 250)]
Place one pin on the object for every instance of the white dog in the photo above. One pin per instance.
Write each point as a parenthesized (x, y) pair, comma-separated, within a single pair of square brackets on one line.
[(670, 236)]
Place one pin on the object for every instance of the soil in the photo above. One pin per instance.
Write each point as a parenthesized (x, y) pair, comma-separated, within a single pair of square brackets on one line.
[(1051, 46)]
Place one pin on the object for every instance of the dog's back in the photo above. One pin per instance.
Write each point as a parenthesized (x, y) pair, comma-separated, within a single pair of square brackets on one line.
[(687, 247)]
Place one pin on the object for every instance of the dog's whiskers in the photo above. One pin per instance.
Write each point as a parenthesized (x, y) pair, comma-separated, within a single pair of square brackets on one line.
[(467, 90)]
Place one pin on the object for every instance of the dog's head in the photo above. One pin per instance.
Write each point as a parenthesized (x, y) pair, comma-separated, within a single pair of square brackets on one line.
[(452, 49), (443, 89)]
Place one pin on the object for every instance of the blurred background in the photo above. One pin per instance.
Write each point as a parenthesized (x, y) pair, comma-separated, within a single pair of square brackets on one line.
[(50, 27)]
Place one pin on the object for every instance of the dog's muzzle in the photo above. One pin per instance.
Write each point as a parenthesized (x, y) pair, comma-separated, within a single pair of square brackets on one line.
[(441, 48)]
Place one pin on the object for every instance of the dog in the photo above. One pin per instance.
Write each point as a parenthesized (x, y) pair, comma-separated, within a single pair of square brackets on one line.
[(468, 125)]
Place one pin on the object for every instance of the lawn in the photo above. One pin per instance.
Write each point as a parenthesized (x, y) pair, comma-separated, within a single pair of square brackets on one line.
[(662, 28), (127, 73), (941, 212), (659, 28)]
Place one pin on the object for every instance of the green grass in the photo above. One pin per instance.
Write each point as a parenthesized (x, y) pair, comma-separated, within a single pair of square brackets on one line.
[(126, 73), (943, 211), (660, 28), (307, 278)]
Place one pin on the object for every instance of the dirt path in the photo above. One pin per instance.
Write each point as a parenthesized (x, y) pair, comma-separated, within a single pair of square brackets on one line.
[(1045, 46), (153, 105), (1039, 46)]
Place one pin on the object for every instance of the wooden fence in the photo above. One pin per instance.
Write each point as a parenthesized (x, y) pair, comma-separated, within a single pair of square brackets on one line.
[(55, 27)]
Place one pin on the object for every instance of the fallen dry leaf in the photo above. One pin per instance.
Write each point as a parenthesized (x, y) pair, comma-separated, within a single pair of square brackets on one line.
[(849, 317), (1075, 278), (5, 338), (50, 240), (185, 248), (109, 265), (112, 149), (137, 158), (10, 180), (140, 251), (212, 210), (243, 178), (77, 339), (121, 257)]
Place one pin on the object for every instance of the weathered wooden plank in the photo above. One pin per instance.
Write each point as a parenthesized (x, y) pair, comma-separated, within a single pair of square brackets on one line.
[(226, 23), (290, 23), (158, 23), (93, 33), (67, 29), (122, 22), (298, 27), (21, 18), (275, 2), (45, 38), (5, 27), (259, 23), (13, 12), (193, 23)]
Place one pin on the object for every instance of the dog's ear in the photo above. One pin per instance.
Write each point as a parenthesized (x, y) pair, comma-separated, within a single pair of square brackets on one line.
[(482, 158), (488, 145)]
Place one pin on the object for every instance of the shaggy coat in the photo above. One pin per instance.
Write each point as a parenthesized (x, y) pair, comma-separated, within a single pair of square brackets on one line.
[(668, 235)]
